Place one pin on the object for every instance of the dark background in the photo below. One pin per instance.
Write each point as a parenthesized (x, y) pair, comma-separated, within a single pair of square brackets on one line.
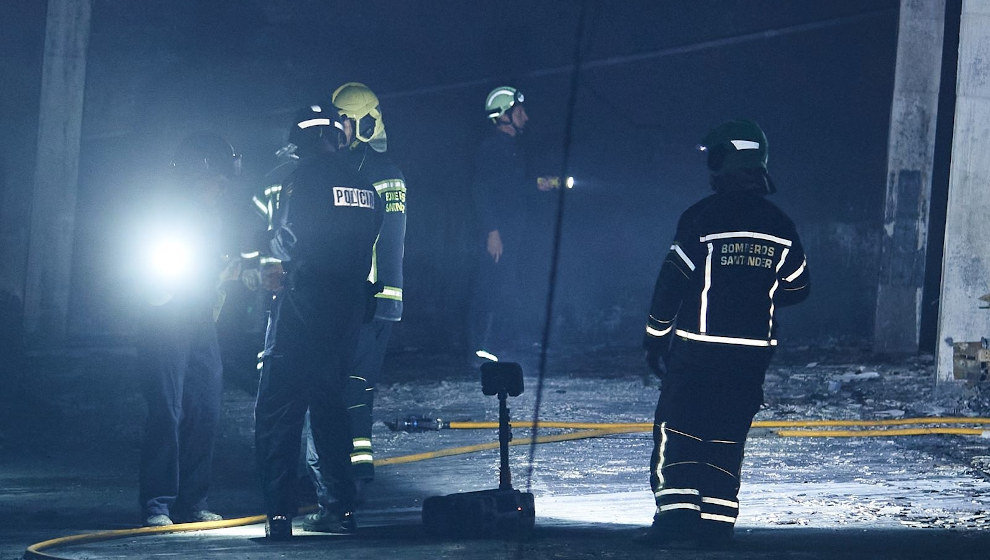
[(818, 77)]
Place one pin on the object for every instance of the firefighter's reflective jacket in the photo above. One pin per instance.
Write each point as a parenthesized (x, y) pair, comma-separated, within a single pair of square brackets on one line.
[(735, 258), (265, 202), (386, 269)]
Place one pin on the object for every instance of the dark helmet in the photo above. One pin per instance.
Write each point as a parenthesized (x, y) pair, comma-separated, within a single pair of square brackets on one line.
[(206, 153), (311, 131), (737, 148)]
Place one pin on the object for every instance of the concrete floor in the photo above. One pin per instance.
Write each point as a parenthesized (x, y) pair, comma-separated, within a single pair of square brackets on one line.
[(802, 498), (575, 520)]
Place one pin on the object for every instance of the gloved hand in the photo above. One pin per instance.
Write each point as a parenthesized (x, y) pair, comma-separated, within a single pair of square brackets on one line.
[(231, 271), (271, 276), (251, 278), (654, 360)]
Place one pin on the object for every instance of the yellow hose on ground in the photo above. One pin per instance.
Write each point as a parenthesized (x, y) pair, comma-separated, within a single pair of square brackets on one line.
[(588, 430), (647, 426), (885, 433), (494, 445), (35, 550)]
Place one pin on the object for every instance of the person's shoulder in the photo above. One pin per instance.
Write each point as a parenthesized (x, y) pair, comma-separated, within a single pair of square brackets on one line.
[(774, 212), (700, 207), (495, 140), (314, 173), (384, 166), (691, 217)]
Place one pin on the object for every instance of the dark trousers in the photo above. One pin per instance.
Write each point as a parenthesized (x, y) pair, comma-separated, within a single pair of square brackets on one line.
[(182, 385), (365, 370), (307, 370), (708, 399), (508, 301)]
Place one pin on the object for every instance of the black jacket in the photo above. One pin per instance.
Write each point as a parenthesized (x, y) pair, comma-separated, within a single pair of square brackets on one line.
[(327, 223), (502, 196), (735, 258)]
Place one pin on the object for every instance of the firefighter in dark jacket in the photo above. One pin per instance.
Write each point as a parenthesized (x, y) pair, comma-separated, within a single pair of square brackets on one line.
[(710, 334), (325, 228), (367, 143), (178, 346), (512, 216)]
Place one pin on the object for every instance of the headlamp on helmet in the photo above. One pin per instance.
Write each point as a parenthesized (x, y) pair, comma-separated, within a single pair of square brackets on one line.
[(737, 157), (735, 145)]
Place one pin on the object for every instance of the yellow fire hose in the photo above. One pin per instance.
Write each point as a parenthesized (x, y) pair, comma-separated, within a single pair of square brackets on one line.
[(645, 426), (587, 430)]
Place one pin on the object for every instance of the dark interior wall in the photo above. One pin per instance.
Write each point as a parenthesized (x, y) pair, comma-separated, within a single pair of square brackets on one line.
[(21, 47), (817, 76)]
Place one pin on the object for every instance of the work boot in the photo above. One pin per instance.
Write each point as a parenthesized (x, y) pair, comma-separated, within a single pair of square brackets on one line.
[(714, 535), (677, 529), (278, 528), (159, 520), (198, 516), (662, 538), (325, 521)]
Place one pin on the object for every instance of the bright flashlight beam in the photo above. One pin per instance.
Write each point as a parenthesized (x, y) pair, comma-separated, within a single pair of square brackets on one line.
[(170, 258), (570, 182)]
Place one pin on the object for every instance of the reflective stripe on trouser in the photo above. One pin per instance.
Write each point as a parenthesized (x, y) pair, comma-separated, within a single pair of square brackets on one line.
[(362, 451), (359, 408), (365, 370), (694, 480)]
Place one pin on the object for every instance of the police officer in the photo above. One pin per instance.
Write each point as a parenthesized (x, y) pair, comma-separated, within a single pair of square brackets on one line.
[(325, 228), (711, 331), (367, 143), (178, 347)]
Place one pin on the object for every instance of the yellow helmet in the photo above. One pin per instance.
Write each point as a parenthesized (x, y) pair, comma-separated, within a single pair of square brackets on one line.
[(356, 101)]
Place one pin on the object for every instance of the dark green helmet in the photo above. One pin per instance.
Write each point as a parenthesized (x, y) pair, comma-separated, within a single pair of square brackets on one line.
[(206, 153), (734, 146)]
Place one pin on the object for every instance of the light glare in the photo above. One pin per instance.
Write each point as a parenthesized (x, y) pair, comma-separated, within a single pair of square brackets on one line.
[(170, 258)]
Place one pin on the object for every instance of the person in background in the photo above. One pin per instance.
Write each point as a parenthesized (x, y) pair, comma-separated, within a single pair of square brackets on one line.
[(710, 334), (178, 348), (512, 213)]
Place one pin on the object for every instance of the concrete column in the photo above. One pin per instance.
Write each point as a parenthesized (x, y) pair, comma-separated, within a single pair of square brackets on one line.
[(53, 205), (966, 260), (910, 154)]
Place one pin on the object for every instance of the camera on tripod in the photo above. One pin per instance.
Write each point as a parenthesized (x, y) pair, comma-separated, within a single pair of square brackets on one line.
[(501, 377)]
